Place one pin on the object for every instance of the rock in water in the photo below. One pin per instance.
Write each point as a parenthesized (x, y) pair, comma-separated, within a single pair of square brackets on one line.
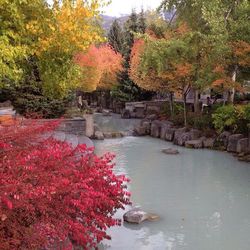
[(170, 151), (137, 216)]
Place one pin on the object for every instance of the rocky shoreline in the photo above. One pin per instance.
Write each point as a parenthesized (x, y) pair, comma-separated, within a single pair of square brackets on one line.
[(237, 144)]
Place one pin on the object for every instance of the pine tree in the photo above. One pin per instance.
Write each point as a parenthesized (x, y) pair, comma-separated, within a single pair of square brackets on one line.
[(115, 37), (127, 90)]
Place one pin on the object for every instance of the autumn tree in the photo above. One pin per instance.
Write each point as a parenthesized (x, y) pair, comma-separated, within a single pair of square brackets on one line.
[(49, 36), (99, 68), (127, 90), (225, 21)]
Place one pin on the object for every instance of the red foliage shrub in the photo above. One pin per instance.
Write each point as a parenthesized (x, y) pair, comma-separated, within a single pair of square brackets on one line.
[(51, 193)]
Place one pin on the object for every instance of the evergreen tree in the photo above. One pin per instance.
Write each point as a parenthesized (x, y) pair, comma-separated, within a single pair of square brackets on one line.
[(115, 37), (127, 90)]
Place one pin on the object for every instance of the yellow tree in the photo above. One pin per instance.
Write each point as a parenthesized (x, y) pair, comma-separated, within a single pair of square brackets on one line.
[(71, 27)]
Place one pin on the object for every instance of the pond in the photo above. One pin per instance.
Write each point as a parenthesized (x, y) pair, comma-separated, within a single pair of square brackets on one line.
[(201, 196)]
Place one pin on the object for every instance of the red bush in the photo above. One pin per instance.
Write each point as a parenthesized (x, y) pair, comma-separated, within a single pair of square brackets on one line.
[(51, 193)]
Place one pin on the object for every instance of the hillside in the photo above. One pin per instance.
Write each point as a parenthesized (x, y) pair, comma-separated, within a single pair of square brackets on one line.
[(108, 20)]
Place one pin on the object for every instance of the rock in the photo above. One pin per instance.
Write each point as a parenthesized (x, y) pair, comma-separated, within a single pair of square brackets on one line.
[(147, 125), (233, 142), (208, 142), (107, 135), (137, 216), (245, 158), (139, 113), (169, 136), (195, 134), (194, 143), (164, 127), (110, 135), (140, 131), (178, 133), (99, 135), (106, 113), (170, 151), (156, 129), (222, 140), (152, 117), (96, 127), (125, 114), (243, 146)]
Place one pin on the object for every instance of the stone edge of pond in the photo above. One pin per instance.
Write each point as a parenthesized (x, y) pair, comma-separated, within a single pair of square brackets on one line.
[(237, 144)]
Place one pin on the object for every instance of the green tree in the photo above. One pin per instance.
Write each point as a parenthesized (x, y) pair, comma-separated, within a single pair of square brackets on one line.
[(115, 37), (127, 90), (225, 22)]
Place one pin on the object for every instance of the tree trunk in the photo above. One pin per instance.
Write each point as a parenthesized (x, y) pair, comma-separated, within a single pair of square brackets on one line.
[(231, 93), (196, 101), (171, 104), (185, 109)]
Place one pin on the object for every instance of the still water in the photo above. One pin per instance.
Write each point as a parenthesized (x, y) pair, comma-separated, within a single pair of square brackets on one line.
[(202, 197)]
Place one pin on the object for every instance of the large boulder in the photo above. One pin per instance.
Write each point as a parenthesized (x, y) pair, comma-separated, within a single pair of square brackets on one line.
[(169, 136), (137, 216), (195, 134), (179, 135), (195, 143), (99, 135), (243, 146), (147, 125), (164, 127), (233, 142), (222, 140), (208, 143), (170, 151), (182, 136), (156, 129), (125, 114), (140, 131)]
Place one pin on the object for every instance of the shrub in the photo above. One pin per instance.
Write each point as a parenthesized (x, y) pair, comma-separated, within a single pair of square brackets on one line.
[(178, 109), (232, 117), (225, 118), (200, 121), (52, 193), (40, 105)]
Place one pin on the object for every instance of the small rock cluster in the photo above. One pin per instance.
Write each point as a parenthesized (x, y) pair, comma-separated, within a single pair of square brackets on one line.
[(99, 135), (193, 138)]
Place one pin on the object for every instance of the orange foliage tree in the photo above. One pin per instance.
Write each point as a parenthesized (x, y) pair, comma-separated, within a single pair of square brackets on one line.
[(99, 67), (155, 66)]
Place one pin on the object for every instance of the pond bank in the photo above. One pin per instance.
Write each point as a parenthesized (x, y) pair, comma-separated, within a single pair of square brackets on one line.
[(237, 144)]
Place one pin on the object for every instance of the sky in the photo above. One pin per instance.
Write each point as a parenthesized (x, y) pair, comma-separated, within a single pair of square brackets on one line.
[(121, 7)]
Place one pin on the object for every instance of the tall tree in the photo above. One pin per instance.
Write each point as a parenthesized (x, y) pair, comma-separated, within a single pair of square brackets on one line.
[(227, 21), (115, 37), (51, 35), (127, 90), (99, 68)]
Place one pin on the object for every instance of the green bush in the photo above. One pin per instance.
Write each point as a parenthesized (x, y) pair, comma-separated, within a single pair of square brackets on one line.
[(178, 109), (200, 121), (234, 118), (40, 105), (29, 100)]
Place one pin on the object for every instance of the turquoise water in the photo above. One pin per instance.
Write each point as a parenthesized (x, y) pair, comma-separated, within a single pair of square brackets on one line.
[(202, 197)]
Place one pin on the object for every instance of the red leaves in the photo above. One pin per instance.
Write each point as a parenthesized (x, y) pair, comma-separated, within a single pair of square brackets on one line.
[(51, 193)]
